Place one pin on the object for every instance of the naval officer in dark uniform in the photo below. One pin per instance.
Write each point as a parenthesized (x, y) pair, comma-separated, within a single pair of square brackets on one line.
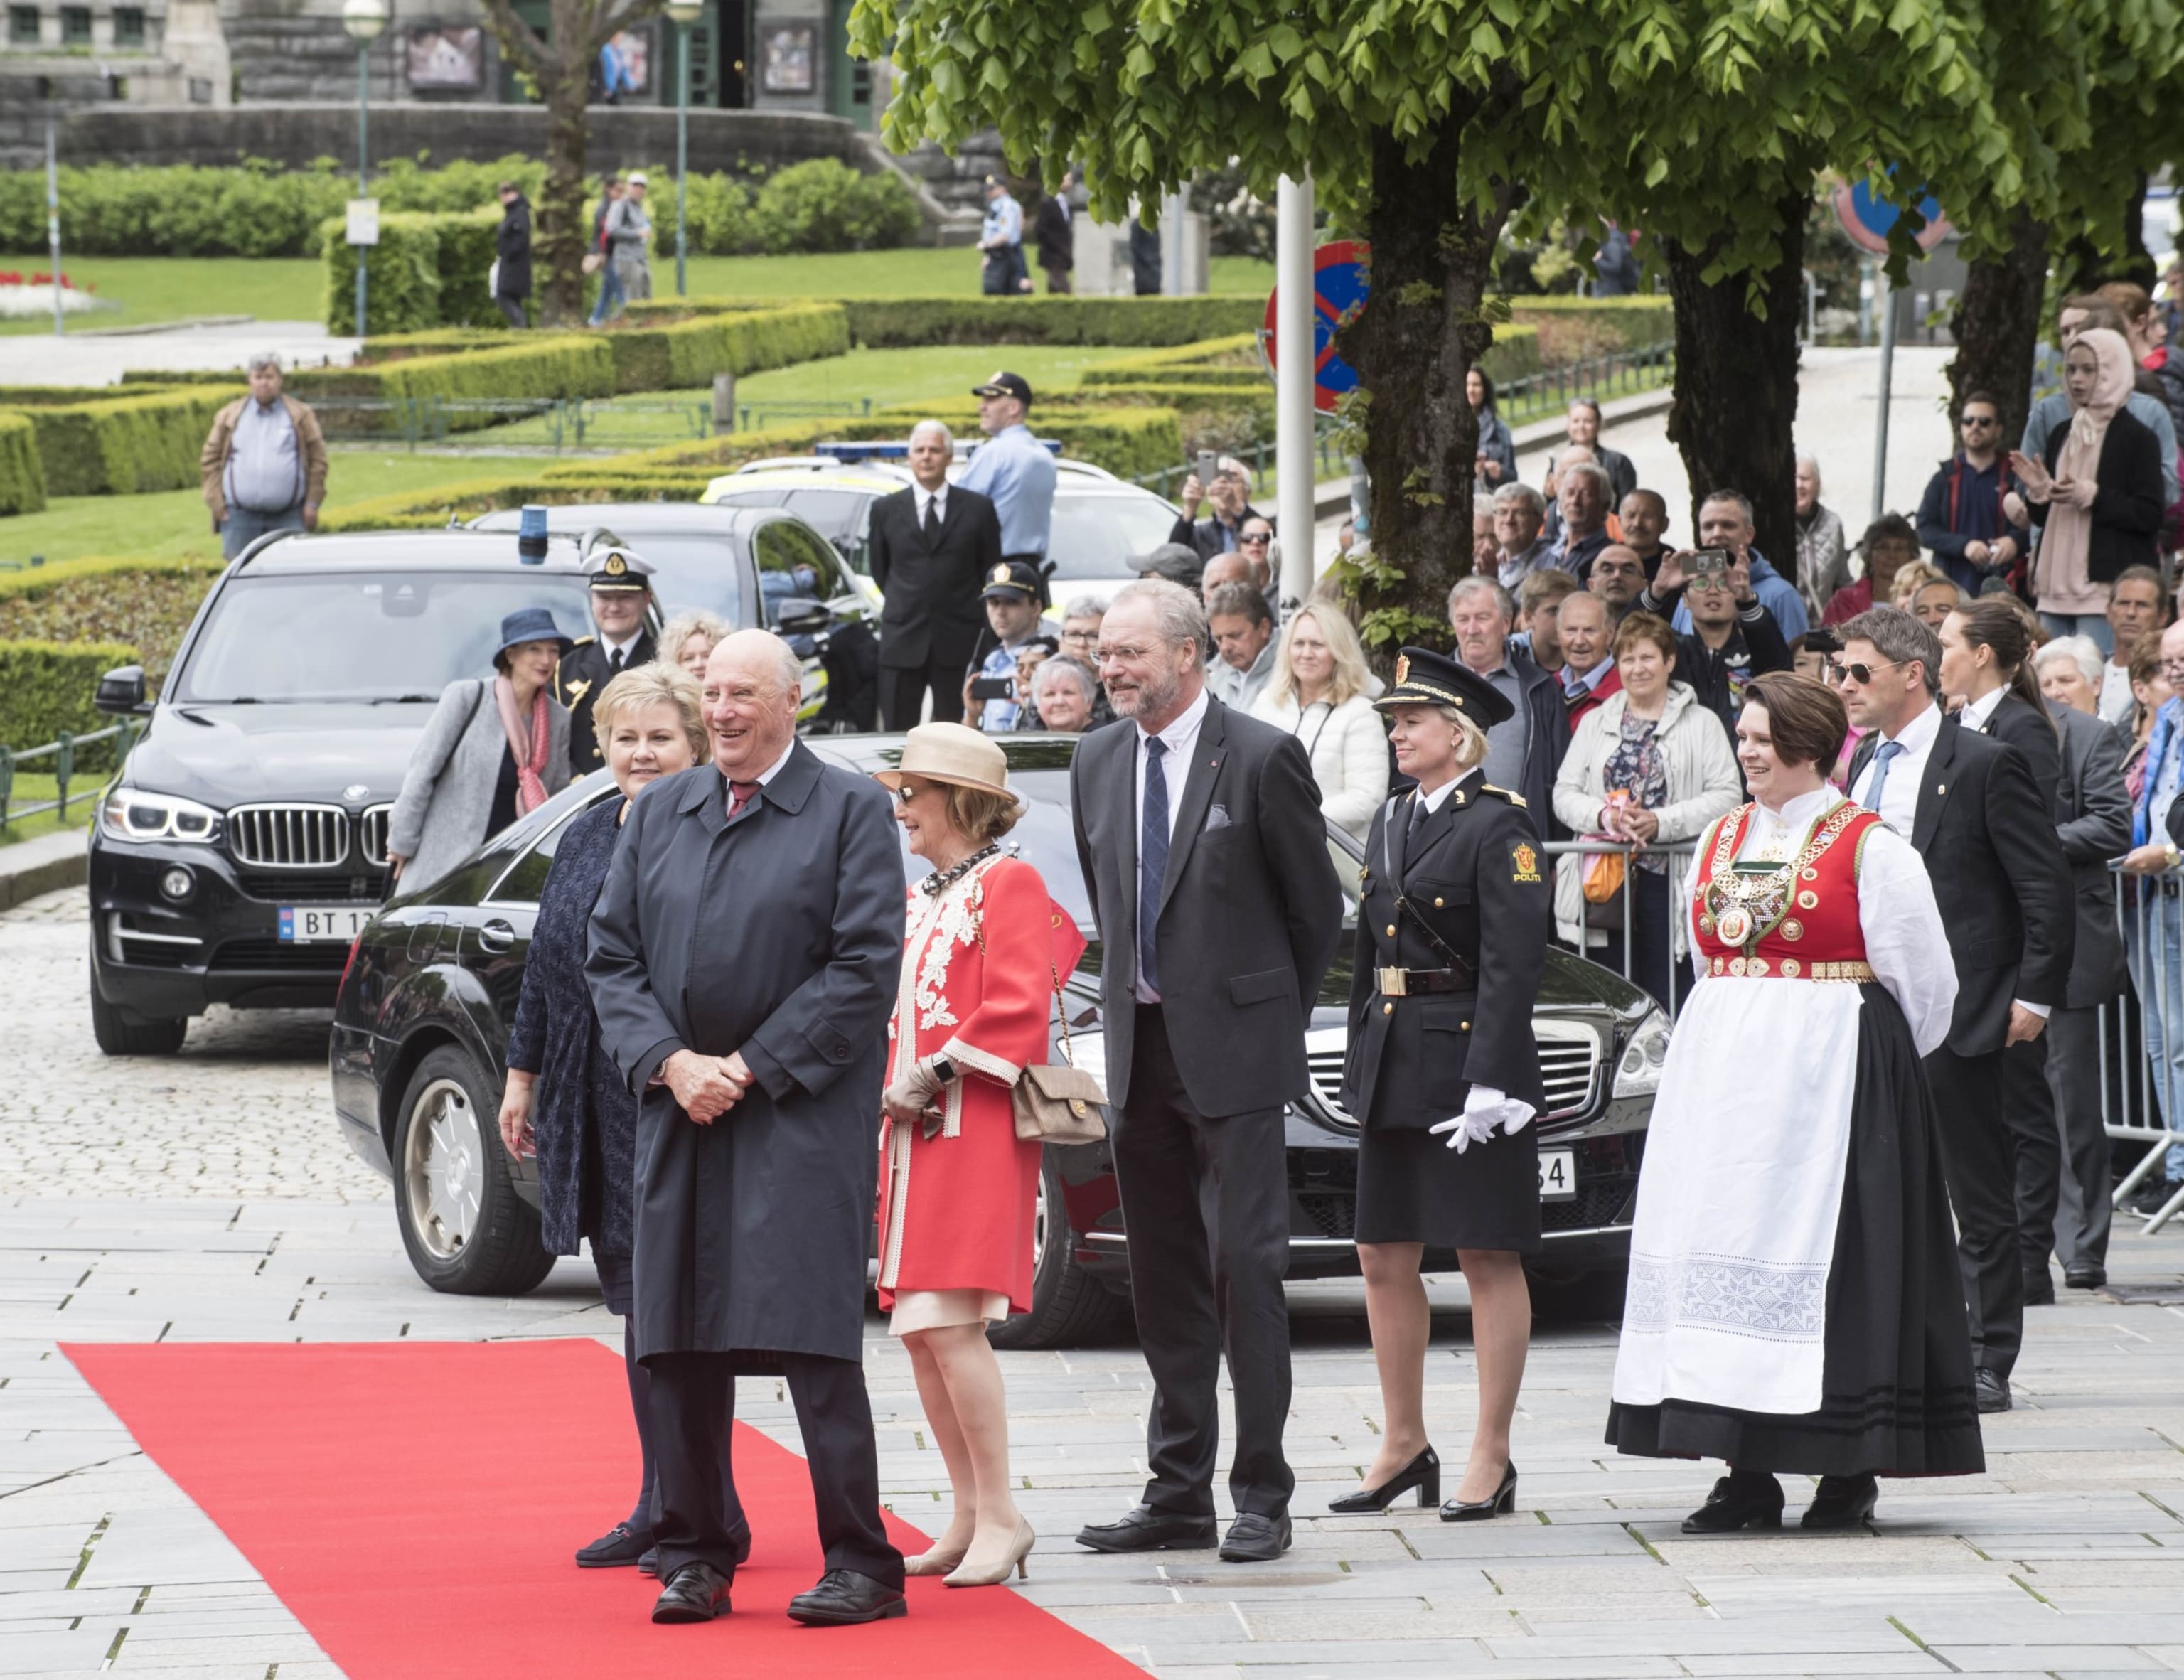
[(1451, 937), (621, 594)]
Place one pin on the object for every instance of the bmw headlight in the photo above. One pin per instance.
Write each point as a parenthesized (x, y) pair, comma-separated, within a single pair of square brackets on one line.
[(1639, 1073), (132, 814)]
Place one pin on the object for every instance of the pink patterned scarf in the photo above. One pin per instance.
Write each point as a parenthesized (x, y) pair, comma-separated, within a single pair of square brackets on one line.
[(528, 747)]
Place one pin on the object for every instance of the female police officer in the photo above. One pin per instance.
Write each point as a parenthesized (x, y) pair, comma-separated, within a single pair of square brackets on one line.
[(1451, 936)]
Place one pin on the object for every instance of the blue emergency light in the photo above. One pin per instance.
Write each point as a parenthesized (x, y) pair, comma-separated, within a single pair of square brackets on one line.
[(531, 536)]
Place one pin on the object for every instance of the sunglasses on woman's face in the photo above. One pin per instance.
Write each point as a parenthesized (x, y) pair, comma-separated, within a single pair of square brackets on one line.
[(1257, 540)]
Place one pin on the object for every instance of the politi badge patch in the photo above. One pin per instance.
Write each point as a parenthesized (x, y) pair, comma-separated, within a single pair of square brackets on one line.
[(1524, 864)]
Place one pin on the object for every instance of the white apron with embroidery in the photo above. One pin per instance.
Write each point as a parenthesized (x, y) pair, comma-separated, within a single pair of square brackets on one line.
[(1741, 1191)]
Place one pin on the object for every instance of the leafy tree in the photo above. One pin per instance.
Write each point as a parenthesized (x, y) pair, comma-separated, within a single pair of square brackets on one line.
[(559, 64), (1431, 125)]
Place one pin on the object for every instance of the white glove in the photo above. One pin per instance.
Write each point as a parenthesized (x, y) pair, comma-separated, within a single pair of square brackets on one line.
[(1484, 1109)]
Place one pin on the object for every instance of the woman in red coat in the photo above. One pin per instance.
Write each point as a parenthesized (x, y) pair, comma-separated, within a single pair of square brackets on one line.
[(956, 1184)]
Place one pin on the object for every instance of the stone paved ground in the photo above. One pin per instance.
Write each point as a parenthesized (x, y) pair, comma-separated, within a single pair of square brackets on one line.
[(209, 1197)]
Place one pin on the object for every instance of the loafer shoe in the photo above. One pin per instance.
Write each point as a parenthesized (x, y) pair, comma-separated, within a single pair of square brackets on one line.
[(699, 1593), (1993, 1390), (1254, 1538), (2086, 1275), (620, 1547), (1738, 1502), (1841, 1502), (845, 1597), (1143, 1529)]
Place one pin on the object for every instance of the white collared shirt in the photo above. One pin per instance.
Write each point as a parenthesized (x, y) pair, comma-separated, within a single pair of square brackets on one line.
[(1977, 712), (1433, 801), (1899, 797), (765, 776), (610, 647), (936, 501), (1181, 739)]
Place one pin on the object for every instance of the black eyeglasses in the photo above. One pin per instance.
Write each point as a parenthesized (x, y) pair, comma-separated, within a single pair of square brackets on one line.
[(1859, 674)]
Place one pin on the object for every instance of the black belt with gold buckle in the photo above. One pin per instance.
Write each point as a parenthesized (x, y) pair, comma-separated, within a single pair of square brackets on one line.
[(1411, 982)]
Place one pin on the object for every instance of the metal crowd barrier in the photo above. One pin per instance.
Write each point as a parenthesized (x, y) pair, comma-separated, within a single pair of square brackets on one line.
[(2140, 1103), (62, 751)]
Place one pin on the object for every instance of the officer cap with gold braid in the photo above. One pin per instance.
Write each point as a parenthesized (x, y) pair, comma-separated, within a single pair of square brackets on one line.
[(1424, 677), (618, 569)]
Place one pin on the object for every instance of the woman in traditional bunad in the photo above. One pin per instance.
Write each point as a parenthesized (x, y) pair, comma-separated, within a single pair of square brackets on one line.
[(1796, 1303), (988, 950)]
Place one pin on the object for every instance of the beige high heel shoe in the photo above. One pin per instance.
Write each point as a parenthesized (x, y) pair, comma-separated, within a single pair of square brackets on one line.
[(1018, 1551), (934, 1562)]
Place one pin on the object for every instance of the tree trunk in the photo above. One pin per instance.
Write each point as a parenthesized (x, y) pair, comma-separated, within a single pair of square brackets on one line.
[(1735, 407), (1997, 328), (564, 230), (1413, 347)]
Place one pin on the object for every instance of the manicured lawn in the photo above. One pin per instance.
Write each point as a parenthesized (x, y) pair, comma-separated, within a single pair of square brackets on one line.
[(32, 790), (151, 289), (174, 524), (843, 384)]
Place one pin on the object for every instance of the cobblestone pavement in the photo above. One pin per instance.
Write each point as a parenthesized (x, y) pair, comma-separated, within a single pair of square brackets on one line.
[(207, 1197)]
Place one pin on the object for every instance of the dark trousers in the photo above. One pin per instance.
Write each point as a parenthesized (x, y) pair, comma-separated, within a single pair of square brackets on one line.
[(2074, 1079), (1971, 1103), (694, 1402), (511, 306), (2029, 1110), (1652, 958), (1205, 1201), (902, 693), (1057, 283)]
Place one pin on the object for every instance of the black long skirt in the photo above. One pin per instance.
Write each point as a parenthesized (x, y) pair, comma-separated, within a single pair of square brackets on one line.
[(1412, 1188), (1896, 1387)]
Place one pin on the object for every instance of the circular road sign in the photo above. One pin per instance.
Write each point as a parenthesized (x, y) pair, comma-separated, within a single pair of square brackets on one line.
[(1338, 286), (1867, 218)]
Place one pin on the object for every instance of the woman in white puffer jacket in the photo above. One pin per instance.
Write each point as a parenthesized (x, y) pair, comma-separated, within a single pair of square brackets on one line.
[(1322, 694)]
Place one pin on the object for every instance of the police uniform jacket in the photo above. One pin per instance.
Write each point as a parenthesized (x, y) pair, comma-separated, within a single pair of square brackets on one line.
[(1474, 873), (584, 671)]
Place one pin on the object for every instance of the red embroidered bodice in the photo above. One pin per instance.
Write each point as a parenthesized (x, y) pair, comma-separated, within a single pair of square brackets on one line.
[(1800, 921)]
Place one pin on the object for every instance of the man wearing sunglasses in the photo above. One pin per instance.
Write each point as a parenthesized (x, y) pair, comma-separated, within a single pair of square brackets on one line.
[(1969, 805), (1960, 520)]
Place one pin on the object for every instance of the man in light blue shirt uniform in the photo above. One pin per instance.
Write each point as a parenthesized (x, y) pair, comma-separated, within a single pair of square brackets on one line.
[(1002, 273), (1013, 469)]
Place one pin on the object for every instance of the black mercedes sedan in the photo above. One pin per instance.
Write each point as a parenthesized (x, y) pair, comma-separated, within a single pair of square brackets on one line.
[(421, 1024)]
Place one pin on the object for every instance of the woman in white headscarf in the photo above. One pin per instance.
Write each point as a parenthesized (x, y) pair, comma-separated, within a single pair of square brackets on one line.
[(2097, 496)]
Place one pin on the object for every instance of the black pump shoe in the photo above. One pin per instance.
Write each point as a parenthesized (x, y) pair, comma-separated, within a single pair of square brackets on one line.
[(1737, 1502), (1422, 1472), (1500, 1502), (1841, 1502)]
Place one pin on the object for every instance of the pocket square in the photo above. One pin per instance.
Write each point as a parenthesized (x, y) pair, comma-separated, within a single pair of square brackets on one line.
[(1216, 816)]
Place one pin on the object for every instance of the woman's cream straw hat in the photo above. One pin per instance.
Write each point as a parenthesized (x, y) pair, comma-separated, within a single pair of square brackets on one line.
[(950, 753)]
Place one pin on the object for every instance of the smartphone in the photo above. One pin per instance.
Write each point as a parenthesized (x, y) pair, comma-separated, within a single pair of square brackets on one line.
[(1709, 566), (993, 688), (1208, 463)]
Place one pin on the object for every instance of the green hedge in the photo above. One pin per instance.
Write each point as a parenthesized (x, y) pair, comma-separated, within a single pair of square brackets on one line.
[(148, 603), (552, 368), (690, 353), (1572, 329), (885, 323), (426, 271), (125, 445), (47, 688), (22, 470)]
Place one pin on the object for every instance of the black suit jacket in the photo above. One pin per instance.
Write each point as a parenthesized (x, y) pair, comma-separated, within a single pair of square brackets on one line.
[(1055, 233), (933, 613), (1999, 880), (584, 670), (2094, 826), (2017, 722), (1474, 872), (2128, 497), (1250, 911)]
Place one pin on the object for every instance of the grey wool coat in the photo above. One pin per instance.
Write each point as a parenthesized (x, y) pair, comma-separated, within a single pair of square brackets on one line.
[(447, 793), (778, 935)]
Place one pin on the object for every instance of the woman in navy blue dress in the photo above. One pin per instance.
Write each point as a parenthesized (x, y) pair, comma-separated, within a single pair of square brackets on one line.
[(565, 1102)]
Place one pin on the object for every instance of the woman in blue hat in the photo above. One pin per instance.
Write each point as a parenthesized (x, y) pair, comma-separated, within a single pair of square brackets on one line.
[(494, 749)]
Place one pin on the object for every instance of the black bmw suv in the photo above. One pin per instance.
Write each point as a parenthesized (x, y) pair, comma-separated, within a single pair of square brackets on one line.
[(243, 845)]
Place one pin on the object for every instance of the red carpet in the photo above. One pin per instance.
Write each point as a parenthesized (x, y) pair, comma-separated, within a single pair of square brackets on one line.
[(415, 1504)]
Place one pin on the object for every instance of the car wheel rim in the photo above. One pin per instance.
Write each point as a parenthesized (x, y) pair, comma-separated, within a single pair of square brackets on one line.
[(1038, 1226), (444, 1170)]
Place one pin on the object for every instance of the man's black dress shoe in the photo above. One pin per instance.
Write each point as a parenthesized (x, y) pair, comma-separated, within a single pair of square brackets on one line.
[(2039, 1289), (843, 1597), (1422, 1472), (738, 1555), (1143, 1529), (1500, 1502), (699, 1593), (2086, 1275), (617, 1548), (1993, 1390), (1738, 1501), (1256, 1538), (1841, 1502)]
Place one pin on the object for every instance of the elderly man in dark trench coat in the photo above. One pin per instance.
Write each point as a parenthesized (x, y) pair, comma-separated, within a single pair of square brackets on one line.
[(743, 958)]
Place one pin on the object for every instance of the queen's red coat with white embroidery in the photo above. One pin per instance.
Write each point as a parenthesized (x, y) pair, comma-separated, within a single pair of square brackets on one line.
[(978, 974)]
